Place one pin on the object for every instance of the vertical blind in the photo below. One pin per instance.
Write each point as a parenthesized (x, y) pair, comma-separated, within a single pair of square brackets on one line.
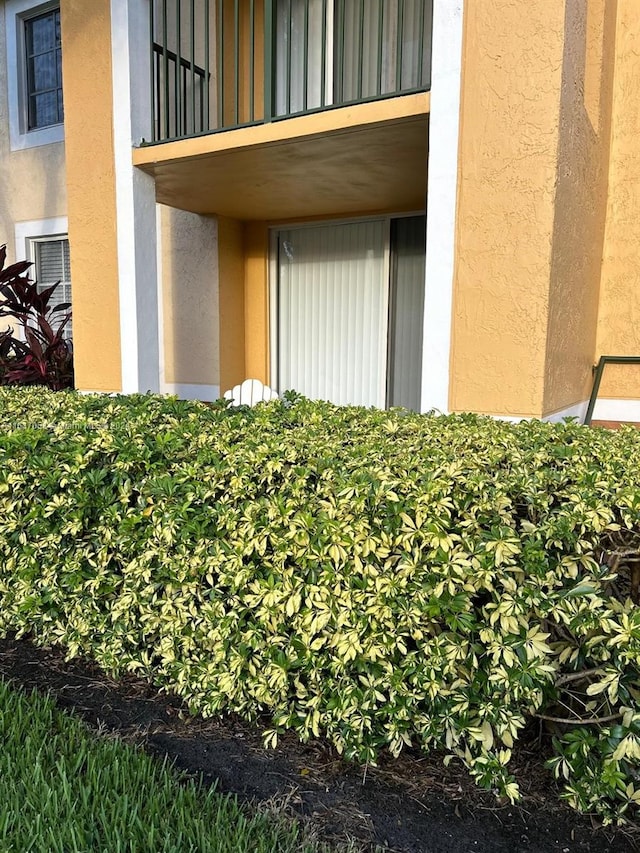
[(300, 31), (371, 48), (52, 264), (350, 322), (383, 46), (332, 312)]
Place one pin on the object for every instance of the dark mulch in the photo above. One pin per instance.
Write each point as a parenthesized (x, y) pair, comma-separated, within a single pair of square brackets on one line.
[(411, 804)]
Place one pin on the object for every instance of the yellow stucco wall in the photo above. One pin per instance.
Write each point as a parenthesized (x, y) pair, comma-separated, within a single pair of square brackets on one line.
[(619, 313), (231, 277), (32, 185), (256, 300), (215, 299), (243, 265), (189, 263), (532, 201), (86, 32), (581, 201), (512, 71)]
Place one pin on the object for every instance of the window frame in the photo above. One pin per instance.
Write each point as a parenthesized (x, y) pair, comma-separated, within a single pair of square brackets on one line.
[(52, 54), (27, 234), (18, 12), (33, 243)]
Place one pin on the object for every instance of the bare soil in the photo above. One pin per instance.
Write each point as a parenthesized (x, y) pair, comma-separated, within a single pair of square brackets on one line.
[(412, 804)]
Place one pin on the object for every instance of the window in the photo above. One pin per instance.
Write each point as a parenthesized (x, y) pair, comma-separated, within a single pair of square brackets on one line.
[(51, 264), (43, 59), (34, 73)]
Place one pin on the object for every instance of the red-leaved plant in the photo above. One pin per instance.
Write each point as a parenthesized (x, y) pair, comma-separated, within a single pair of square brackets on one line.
[(42, 356)]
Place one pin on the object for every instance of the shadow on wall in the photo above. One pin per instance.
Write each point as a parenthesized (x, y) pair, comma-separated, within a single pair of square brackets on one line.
[(581, 199), (191, 344)]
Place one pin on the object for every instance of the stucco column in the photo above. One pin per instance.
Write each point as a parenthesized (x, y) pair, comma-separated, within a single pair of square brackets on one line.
[(507, 194), (111, 206), (135, 197), (442, 187)]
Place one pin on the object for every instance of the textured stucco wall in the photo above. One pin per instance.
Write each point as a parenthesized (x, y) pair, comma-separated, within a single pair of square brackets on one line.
[(231, 273), (581, 200), (88, 102), (189, 297), (32, 181), (619, 313), (256, 300), (512, 75)]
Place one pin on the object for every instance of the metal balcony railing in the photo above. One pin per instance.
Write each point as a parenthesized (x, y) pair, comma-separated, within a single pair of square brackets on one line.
[(181, 99), (222, 64)]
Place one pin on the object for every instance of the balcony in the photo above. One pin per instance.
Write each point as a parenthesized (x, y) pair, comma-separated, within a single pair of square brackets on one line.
[(224, 64), (280, 109)]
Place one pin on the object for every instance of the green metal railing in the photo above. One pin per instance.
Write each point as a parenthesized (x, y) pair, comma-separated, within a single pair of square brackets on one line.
[(222, 64), (598, 371), (179, 68), (182, 111)]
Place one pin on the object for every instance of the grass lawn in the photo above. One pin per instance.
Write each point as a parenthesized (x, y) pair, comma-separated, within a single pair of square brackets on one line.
[(62, 789)]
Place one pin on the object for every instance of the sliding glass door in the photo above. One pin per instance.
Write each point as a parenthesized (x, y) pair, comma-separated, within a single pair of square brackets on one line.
[(302, 72), (406, 311), (347, 311), (332, 312), (380, 47)]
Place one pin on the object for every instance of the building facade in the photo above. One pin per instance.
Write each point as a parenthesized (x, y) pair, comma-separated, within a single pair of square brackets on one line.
[(428, 203)]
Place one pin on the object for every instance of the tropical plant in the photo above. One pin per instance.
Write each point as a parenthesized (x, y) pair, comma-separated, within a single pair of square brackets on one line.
[(41, 355)]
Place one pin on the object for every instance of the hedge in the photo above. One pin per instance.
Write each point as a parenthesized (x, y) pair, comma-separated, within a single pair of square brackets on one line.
[(377, 578)]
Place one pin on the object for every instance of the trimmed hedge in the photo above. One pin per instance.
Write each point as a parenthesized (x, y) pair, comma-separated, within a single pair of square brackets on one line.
[(377, 578)]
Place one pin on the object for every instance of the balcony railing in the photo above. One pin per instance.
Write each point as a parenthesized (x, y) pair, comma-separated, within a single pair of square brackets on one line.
[(222, 64), (181, 99)]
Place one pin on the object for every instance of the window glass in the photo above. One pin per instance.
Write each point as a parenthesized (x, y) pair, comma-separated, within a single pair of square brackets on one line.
[(406, 310), (44, 70)]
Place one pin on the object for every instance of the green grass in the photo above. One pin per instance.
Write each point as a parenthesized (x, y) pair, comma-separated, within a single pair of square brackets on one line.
[(63, 789)]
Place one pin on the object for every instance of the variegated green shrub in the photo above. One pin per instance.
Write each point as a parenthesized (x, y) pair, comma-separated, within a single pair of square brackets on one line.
[(377, 578)]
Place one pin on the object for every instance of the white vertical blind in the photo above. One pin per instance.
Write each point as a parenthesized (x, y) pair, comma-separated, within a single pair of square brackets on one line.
[(359, 48), (377, 30), (293, 80), (416, 28), (368, 35), (332, 312), (52, 264)]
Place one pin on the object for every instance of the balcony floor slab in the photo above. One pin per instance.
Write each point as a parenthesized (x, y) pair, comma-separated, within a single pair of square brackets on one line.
[(364, 158)]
